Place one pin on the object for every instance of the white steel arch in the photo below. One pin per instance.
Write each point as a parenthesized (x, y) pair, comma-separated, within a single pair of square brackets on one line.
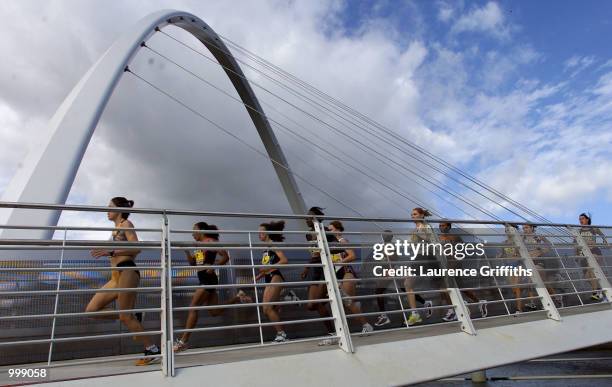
[(48, 172)]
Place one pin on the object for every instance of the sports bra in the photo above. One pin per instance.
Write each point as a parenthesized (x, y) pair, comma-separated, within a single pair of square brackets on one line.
[(336, 254), (119, 235), (269, 257)]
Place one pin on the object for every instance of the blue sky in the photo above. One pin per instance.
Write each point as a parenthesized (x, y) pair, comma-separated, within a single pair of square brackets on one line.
[(564, 45), (517, 93)]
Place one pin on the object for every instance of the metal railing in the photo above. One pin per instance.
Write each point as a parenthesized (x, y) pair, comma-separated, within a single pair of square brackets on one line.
[(43, 300)]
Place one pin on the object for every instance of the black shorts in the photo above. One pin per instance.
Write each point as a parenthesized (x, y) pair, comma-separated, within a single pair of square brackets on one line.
[(272, 274), (207, 278), (314, 274), (129, 263), (340, 273)]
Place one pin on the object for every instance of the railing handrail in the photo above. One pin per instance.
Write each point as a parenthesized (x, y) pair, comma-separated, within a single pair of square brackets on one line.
[(157, 211)]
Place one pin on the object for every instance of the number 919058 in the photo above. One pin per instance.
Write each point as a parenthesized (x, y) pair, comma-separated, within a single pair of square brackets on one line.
[(27, 373)]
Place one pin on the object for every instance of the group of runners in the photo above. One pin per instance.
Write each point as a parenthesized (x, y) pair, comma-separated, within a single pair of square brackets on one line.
[(343, 260)]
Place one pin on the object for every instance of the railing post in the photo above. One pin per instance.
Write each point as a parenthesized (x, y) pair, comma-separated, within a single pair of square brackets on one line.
[(166, 301), (599, 274), (261, 340), (59, 282), (333, 291), (461, 310), (547, 302)]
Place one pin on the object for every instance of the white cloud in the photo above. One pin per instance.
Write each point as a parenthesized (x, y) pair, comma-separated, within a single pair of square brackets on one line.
[(445, 12), (489, 19), (523, 136), (576, 64)]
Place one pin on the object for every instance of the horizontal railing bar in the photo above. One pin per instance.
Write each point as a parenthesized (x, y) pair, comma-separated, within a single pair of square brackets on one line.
[(254, 325), (493, 287), (78, 242), (409, 329), (512, 315), (246, 247), (42, 206), (230, 231), (64, 269), (246, 266), (363, 297), (576, 293), (566, 269), (76, 228), (75, 248), (503, 301), (77, 314), (77, 338), (250, 304), (250, 285), (398, 311), (568, 281), (75, 291)]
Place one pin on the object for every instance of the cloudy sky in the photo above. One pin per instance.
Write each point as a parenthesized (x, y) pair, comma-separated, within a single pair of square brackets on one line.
[(517, 94)]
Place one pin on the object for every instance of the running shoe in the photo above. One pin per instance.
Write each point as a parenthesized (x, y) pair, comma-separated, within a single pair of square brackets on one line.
[(328, 340), (483, 308), (367, 329), (179, 346), (597, 296), (531, 305), (291, 296), (382, 320), (414, 318), (281, 337), (244, 298), (559, 301), (428, 311), (151, 351), (450, 315)]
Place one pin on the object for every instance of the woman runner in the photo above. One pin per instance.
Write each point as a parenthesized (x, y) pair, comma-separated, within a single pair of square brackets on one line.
[(589, 235), (204, 233), (272, 275), (346, 272), (123, 279), (317, 291)]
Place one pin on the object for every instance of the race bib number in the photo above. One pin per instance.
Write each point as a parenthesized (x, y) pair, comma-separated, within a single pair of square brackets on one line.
[(199, 257)]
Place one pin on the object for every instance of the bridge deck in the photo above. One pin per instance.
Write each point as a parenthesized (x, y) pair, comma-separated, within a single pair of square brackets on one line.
[(388, 358)]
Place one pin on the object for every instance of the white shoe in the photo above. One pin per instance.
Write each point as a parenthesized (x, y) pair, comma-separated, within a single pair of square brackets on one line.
[(531, 305), (281, 337), (328, 341), (291, 296), (367, 329), (382, 320), (428, 305), (450, 315), (483, 308)]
